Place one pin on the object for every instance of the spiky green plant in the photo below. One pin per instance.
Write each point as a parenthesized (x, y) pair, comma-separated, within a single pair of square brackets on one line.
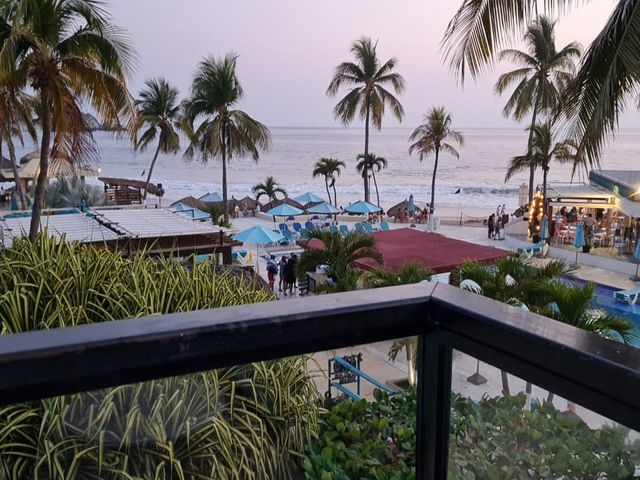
[(73, 192), (250, 421)]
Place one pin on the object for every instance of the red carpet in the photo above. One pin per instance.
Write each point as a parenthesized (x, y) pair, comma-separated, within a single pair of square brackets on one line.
[(433, 251)]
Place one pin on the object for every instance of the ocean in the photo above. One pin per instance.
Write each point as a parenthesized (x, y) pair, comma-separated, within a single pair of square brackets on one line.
[(479, 172)]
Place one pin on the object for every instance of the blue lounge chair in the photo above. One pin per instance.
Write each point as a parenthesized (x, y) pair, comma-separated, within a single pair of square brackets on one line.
[(344, 230), (627, 296), (368, 227), (309, 226), (297, 227), (283, 227), (304, 234), (359, 228), (289, 236), (333, 229), (384, 226), (539, 248)]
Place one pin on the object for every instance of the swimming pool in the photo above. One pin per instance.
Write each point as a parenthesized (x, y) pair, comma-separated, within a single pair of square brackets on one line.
[(605, 300)]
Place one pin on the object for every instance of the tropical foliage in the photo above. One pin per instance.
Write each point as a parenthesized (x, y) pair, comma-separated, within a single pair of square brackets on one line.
[(490, 438), (432, 137), (368, 81), (160, 114), (223, 132), (605, 83), (269, 188), (371, 163), (73, 192), (329, 169), (69, 52), (540, 80), (411, 271), (251, 421), (339, 254)]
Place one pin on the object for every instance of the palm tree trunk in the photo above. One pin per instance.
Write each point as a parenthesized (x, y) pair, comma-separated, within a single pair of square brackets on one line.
[(153, 164), (16, 176), (411, 373), (433, 181), (545, 172), (505, 383), (375, 182), (532, 167), (335, 195), (326, 185), (224, 177), (45, 151), (366, 153)]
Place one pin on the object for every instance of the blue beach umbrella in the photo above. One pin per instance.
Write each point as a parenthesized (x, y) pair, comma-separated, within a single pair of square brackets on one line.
[(362, 207), (258, 236), (308, 197), (324, 208), (211, 198), (578, 240), (411, 207), (544, 229), (14, 203), (284, 210)]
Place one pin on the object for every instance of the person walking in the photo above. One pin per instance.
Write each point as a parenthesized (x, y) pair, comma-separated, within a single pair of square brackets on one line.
[(272, 271), (491, 224), (289, 276), (497, 228)]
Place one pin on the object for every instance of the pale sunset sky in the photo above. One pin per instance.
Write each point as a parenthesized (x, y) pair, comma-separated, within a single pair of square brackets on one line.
[(289, 48)]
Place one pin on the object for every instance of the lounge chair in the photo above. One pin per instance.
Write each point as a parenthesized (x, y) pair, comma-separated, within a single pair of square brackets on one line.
[(289, 236), (344, 230), (283, 227), (297, 227), (333, 229), (384, 226), (359, 228), (309, 226), (627, 296), (368, 227), (304, 234), (540, 249)]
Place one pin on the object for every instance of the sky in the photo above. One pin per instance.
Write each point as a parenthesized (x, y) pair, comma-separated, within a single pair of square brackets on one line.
[(288, 50)]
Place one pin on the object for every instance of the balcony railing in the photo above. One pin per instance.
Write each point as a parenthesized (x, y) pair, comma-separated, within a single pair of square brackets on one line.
[(601, 375)]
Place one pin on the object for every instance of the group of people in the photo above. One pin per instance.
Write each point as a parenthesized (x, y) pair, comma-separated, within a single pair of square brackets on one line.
[(418, 216), (496, 223), (286, 270)]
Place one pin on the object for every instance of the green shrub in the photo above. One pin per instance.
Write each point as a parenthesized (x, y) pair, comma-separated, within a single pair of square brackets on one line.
[(249, 421), (491, 439)]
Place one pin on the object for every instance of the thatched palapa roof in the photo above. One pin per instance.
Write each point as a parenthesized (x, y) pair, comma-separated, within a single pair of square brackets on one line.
[(126, 182)]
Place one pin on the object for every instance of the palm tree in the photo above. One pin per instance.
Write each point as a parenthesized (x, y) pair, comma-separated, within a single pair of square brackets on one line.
[(160, 111), (540, 79), (431, 138), (543, 150), (16, 111), (367, 96), (223, 131), (370, 163), (329, 168), (340, 254), (69, 52), (605, 83), (269, 188), (411, 272)]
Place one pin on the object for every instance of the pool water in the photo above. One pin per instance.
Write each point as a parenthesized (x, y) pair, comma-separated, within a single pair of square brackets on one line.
[(605, 300)]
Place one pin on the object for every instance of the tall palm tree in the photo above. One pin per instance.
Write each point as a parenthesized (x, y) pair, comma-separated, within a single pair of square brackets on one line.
[(540, 79), (543, 150), (69, 52), (160, 112), (16, 112), (608, 77), (269, 188), (223, 131), (431, 138), (371, 163), (329, 168), (367, 97)]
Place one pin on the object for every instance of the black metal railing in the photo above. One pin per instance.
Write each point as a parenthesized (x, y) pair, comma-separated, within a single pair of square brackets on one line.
[(601, 375)]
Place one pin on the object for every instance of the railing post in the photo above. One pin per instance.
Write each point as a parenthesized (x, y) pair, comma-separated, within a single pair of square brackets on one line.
[(434, 403)]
